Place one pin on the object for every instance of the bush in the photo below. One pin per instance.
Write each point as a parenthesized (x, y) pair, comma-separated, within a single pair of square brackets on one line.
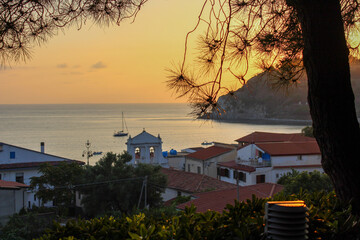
[(328, 219), (29, 225)]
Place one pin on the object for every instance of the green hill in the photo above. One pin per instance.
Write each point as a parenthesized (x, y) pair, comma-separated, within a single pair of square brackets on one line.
[(258, 99)]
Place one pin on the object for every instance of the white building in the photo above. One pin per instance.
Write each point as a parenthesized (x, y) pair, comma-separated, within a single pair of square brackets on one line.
[(146, 148), (205, 161), (19, 164), (259, 160), (12, 199)]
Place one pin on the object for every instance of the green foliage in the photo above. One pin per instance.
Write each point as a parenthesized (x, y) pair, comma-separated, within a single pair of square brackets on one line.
[(119, 185), (55, 183), (328, 219), (27, 226), (308, 131), (311, 181)]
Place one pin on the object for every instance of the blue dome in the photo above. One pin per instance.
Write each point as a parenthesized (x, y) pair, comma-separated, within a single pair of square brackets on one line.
[(165, 154), (173, 152)]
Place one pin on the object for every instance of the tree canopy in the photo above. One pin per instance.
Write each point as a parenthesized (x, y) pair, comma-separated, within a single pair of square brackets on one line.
[(113, 185), (55, 183), (296, 181), (110, 185)]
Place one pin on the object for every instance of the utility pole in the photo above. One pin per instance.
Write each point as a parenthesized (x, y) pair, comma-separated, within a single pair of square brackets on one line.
[(143, 188), (145, 183), (237, 186), (88, 153)]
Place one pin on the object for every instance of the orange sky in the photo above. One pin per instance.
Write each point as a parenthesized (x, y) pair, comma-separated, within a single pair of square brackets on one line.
[(116, 64)]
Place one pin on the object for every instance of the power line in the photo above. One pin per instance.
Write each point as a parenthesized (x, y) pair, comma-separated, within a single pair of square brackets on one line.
[(97, 183)]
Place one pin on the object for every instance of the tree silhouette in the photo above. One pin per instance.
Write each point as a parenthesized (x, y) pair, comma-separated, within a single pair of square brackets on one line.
[(285, 37), (25, 22)]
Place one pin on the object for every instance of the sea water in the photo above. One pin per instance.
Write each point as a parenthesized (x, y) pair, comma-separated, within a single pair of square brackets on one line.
[(65, 128)]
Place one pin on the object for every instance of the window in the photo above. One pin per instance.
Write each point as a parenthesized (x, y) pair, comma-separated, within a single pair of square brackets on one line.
[(12, 155), (0, 176), (152, 152), (178, 193), (226, 172), (19, 177), (198, 170), (299, 157), (277, 175), (260, 178), (34, 197), (189, 167), (79, 195), (137, 153), (242, 176)]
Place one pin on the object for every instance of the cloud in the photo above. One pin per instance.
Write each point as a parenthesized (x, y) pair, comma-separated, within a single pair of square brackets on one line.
[(62, 65), (98, 65)]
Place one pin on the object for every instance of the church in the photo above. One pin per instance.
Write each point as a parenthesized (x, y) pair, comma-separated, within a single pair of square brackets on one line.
[(146, 148)]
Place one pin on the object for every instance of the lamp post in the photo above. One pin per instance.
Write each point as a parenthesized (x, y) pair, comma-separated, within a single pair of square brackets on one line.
[(88, 153)]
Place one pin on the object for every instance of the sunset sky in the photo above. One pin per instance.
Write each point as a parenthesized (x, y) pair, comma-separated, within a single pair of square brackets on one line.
[(116, 64)]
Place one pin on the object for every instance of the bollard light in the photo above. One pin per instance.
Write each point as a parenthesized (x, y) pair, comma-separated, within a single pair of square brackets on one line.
[(286, 220)]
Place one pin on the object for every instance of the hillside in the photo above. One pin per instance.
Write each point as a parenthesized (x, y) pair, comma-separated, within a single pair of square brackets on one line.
[(259, 100)]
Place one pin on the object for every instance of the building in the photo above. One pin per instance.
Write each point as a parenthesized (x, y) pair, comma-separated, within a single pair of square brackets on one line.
[(19, 164), (182, 183), (176, 159), (259, 137), (204, 161), (12, 198), (217, 200), (266, 161), (146, 148)]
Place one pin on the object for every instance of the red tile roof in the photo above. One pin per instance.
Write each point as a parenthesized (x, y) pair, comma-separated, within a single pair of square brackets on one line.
[(193, 182), (234, 165), (196, 148), (34, 164), (300, 166), (210, 152), (12, 185), (290, 148), (257, 137), (217, 200)]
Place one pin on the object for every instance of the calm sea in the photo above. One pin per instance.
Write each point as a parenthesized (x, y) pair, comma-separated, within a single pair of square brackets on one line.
[(66, 127)]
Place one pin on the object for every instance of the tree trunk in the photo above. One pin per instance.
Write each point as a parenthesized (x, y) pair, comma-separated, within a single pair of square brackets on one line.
[(330, 95)]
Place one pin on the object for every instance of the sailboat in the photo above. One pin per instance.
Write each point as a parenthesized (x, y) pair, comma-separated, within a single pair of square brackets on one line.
[(121, 133)]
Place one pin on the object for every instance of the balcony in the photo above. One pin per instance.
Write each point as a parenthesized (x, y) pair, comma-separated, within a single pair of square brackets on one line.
[(254, 162)]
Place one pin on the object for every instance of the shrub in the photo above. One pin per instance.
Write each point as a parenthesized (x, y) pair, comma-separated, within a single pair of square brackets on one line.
[(328, 219)]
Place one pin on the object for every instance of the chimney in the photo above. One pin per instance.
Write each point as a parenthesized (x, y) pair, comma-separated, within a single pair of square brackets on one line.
[(42, 147)]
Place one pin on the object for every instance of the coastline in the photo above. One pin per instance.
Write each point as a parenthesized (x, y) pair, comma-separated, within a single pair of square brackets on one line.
[(269, 121)]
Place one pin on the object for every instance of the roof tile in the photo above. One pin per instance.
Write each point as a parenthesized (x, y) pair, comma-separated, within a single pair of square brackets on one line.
[(12, 185), (210, 152), (234, 165), (290, 148), (217, 200), (257, 137), (193, 182), (35, 164)]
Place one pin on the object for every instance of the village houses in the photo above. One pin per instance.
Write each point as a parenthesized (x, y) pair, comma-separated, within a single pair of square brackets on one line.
[(19, 164), (265, 157), (204, 161)]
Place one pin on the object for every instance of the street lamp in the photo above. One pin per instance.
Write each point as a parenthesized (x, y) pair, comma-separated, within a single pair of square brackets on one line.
[(88, 153)]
